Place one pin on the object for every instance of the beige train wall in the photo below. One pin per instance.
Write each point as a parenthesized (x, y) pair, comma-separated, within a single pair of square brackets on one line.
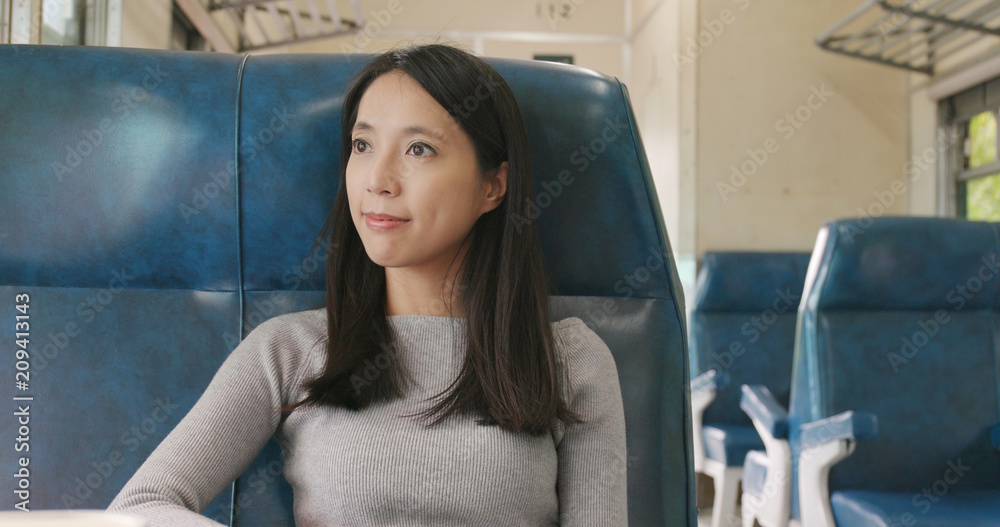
[(790, 135), (755, 135)]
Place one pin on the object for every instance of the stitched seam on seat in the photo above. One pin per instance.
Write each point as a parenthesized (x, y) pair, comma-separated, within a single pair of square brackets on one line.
[(239, 233)]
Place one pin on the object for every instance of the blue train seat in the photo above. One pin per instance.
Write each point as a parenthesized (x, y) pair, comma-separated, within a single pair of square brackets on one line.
[(895, 399), (156, 206), (742, 332)]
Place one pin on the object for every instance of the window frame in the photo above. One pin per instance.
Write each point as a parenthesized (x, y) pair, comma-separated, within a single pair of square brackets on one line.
[(21, 22), (955, 114), (193, 37)]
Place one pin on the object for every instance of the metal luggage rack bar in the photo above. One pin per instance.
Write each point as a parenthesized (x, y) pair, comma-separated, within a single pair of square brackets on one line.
[(913, 34), (289, 21)]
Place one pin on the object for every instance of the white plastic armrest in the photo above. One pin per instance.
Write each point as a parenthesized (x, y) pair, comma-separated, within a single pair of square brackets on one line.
[(699, 401), (703, 390), (824, 444), (771, 422)]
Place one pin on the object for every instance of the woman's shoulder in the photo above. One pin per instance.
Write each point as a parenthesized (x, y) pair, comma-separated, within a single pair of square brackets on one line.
[(305, 326), (577, 337), (293, 337), (285, 347), (589, 383), (582, 353)]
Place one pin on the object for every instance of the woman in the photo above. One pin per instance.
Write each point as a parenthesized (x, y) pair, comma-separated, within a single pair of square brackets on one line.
[(432, 389)]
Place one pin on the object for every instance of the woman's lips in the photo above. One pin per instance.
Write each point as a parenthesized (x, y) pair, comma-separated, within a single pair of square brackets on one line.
[(383, 225)]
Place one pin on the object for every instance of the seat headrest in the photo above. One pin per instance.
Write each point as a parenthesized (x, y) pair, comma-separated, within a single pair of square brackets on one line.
[(904, 263), (749, 281)]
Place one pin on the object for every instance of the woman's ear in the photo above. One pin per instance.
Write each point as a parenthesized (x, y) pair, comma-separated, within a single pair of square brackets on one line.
[(496, 187)]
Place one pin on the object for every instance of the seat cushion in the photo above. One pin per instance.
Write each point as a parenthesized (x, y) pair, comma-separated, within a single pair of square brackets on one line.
[(729, 444), (979, 508), (754, 472)]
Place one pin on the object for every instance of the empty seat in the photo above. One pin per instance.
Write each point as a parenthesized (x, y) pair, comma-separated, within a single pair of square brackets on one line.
[(894, 404), (742, 331)]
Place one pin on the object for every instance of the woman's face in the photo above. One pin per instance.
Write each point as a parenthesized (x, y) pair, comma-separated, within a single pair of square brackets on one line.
[(411, 160)]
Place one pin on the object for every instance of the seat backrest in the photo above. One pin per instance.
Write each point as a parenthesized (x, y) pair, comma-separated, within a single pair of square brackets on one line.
[(743, 323), (899, 319), (156, 206)]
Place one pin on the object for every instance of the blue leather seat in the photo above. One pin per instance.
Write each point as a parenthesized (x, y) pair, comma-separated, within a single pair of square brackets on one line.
[(972, 508), (156, 206), (743, 323), (743, 329), (898, 327)]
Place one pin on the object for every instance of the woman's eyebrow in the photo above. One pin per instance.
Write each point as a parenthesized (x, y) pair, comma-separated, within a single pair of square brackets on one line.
[(362, 126)]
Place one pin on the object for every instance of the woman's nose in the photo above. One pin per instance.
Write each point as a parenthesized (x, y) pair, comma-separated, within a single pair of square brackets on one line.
[(384, 175)]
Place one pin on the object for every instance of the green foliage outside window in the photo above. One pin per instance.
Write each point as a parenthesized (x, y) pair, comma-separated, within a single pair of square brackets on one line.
[(983, 193)]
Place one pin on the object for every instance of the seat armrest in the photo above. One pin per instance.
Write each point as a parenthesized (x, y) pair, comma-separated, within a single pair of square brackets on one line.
[(772, 507), (847, 425), (703, 390), (764, 409), (710, 380), (823, 444)]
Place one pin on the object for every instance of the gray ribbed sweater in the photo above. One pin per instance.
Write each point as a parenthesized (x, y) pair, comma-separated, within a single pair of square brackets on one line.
[(375, 468)]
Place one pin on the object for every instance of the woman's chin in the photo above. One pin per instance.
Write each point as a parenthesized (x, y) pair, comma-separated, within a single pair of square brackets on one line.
[(382, 258)]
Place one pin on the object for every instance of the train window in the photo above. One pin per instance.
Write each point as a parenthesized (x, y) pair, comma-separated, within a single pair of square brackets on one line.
[(979, 180), (983, 198), (183, 35), (63, 22), (982, 139)]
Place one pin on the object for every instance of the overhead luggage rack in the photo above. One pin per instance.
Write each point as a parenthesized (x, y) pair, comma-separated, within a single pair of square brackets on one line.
[(282, 23), (913, 34)]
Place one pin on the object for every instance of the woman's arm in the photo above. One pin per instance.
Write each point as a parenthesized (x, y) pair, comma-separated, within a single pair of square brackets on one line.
[(592, 455), (224, 431)]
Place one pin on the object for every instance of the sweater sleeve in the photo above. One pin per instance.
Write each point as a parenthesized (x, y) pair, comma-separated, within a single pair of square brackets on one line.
[(224, 431), (592, 455)]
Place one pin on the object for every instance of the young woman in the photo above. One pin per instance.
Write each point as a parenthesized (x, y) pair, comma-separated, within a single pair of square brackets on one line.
[(432, 389)]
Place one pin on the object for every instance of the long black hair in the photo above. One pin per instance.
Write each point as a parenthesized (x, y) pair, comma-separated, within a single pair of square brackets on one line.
[(509, 377)]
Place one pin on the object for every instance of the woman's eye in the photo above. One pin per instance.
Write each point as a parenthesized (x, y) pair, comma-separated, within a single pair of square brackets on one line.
[(357, 143), (421, 150)]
